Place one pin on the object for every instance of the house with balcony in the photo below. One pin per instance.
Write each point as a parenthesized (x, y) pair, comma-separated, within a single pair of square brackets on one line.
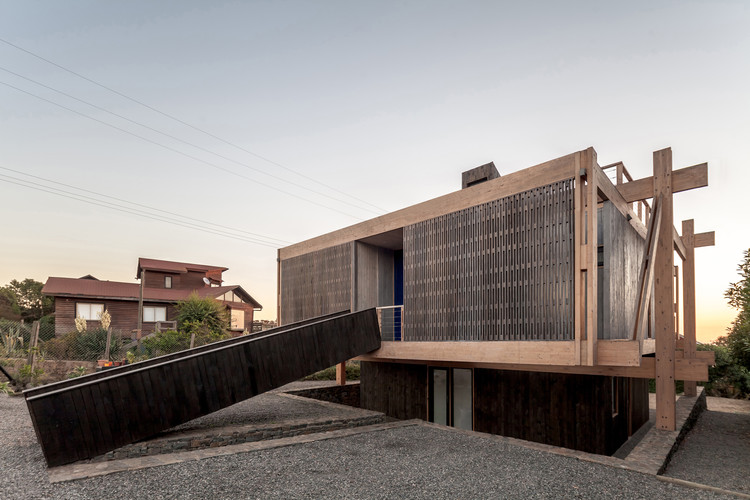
[(535, 304), (161, 284)]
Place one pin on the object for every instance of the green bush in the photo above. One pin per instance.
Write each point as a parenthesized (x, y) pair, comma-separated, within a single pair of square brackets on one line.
[(167, 342), (89, 345), (28, 377), (207, 318), (352, 372)]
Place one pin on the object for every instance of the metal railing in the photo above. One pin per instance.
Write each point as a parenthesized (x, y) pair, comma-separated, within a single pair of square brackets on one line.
[(390, 320)]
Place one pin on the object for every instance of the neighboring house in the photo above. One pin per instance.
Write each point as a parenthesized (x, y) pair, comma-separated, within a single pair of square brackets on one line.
[(164, 284), (518, 305)]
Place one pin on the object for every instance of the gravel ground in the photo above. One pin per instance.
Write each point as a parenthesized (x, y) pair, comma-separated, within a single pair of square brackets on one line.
[(717, 450), (268, 408), (407, 462)]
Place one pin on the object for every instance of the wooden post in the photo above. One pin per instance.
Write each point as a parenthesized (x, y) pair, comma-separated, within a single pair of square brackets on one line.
[(341, 373), (664, 295), (109, 343), (688, 299), (192, 339), (579, 287), (33, 343), (592, 246), (676, 305)]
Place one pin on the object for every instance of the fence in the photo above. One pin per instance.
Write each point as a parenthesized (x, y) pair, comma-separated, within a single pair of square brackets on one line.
[(24, 340)]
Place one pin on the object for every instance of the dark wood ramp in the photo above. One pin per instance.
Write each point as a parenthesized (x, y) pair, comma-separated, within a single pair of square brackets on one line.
[(81, 418)]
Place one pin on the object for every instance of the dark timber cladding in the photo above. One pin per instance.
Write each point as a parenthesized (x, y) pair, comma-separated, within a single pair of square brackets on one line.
[(622, 250), (80, 419), (502, 270), (316, 283)]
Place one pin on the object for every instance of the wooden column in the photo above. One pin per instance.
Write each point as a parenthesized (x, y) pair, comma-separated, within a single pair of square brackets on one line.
[(592, 255), (676, 305), (579, 284), (341, 373), (664, 295), (688, 298)]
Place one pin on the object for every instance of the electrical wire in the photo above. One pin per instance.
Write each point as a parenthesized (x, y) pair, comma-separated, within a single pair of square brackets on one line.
[(169, 148), (212, 224), (119, 208), (201, 148), (198, 129)]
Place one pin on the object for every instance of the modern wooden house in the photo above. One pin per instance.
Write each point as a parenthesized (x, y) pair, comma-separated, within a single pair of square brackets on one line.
[(534, 304), (162, 284)]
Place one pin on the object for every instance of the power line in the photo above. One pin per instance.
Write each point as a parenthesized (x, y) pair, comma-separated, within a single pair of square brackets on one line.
[(171, 117), (277, 240), (139, 213), (169, 148), (206, 150)]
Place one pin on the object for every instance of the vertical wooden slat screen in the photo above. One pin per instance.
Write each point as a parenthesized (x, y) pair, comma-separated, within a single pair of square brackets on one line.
[(316, 283), (501, 270)]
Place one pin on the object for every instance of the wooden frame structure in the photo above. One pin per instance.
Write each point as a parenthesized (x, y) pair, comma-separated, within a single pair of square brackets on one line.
[(645, 203)]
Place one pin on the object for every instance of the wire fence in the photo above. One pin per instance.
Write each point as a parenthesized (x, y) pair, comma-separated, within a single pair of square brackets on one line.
[(17, 341)]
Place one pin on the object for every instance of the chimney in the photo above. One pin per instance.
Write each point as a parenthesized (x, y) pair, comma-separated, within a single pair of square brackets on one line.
[(477, 175)]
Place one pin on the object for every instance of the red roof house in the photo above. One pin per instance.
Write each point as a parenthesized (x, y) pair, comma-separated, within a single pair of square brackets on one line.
[(164, 284)]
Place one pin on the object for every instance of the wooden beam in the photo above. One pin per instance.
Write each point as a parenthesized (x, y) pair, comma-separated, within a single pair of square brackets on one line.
[(682, 180), (705, 239), (664, 294), (679, 246), (592, 254), (688, 284), (618, 353), (608, 191), (610, 352), (518, 352), (685, 369), (516, 182), (646, 275)]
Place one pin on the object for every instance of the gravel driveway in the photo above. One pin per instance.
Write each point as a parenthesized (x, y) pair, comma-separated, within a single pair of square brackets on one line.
[(407, 462), (716, 451)]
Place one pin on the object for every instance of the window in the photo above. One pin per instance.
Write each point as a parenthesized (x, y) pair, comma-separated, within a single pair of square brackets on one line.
[(167, 282), (238, 319), (451, 399), (152, 314), (89, 311)]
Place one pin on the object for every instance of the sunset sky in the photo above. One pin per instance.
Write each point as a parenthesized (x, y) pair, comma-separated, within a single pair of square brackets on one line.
[(267, 123)]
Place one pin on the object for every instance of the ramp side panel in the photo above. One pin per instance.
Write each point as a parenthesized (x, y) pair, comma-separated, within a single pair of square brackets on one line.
[(85, 420)]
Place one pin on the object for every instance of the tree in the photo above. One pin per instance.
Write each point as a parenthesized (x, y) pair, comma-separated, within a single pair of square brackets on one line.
[(26, 299), (738, 296)]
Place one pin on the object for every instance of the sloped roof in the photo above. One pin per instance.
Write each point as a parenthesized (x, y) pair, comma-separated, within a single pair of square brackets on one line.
[(76, 287), (174, 267)]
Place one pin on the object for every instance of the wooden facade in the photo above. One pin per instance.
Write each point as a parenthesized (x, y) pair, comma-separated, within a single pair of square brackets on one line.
[(555, 273), (84, 417)]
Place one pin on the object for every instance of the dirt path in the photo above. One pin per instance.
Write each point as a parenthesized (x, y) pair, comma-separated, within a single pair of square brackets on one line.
[(716, 452)]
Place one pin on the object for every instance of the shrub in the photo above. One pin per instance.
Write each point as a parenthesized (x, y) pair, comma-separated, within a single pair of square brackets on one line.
[(28, 377), (207, 318), (165, 343), (352, 372), (78, 371)]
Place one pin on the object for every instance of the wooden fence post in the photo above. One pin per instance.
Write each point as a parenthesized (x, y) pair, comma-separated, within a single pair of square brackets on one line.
[(109, 343), (33, 343), (688, 298)]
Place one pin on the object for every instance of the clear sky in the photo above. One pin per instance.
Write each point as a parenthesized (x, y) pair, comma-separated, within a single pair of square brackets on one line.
[(385, 102)]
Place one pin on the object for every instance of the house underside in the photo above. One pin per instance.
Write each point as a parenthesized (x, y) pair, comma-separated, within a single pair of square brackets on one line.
[(534, 305)]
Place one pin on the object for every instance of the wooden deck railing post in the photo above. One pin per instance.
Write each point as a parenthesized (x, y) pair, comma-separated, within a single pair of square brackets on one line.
[(664, 294), (688, 298)]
